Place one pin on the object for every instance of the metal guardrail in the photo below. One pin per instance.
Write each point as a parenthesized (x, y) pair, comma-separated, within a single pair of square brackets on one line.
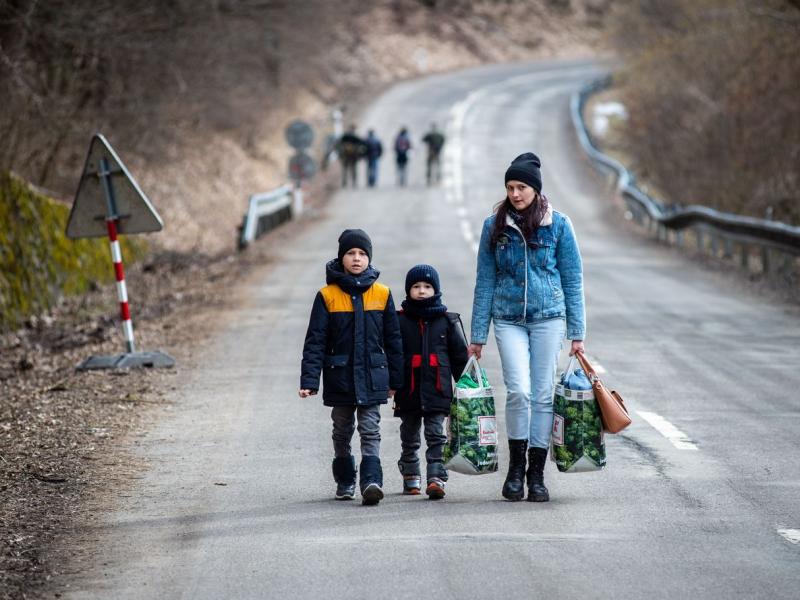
[(709, 226), (266, 211)]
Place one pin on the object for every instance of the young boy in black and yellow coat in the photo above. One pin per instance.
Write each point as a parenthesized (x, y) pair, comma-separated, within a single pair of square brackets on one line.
[(353, 339)]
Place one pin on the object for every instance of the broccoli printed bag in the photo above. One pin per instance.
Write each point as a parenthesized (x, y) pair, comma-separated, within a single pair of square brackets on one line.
[(578, 444), (471, 446)]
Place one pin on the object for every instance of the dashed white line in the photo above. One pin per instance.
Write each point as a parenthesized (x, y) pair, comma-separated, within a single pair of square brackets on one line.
[(790, 535), (676, 437)]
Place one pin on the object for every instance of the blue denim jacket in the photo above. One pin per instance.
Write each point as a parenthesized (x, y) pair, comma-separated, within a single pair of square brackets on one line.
[(519, 284)]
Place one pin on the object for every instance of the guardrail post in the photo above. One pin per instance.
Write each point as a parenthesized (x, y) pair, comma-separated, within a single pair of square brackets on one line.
[(679, 239), (728, 250), (745, 258), (297, 201), (700, 240), (714, 245), (765, 266)]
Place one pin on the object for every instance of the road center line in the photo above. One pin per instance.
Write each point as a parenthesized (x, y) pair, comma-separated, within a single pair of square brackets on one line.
[(791, 535), (676, 437)]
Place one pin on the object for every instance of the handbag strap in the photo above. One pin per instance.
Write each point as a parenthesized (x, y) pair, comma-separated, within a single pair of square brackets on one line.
[(586, 366)]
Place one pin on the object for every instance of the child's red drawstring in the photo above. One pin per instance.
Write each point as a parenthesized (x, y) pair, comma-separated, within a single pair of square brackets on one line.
[(416, 363), (434, 362)]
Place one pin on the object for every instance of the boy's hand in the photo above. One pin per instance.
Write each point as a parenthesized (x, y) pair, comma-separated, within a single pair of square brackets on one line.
[(475, 349), (391, 393), (307, 393)]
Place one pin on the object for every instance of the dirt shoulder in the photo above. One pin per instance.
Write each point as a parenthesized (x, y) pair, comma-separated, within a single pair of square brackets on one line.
[(66, 437)]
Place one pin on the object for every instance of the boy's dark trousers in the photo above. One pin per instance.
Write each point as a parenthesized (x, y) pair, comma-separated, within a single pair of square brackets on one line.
[(435, 438), (369, 430)]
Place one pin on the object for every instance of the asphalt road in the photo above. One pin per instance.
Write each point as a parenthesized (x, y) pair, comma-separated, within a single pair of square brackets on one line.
[(697, 515)]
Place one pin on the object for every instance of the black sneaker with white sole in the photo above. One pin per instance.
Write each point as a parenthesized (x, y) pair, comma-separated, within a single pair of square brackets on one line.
[(345, 491), (371, 494)]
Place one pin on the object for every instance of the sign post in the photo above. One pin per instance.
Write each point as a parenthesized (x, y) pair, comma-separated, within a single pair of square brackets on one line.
[(301, 166), (110, 202)]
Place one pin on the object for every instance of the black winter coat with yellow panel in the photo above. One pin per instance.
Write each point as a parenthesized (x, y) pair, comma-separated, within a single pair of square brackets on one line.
[(435, 353), (353, 340)]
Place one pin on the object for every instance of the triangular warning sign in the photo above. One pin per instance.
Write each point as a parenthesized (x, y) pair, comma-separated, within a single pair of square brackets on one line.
[(108, 189)]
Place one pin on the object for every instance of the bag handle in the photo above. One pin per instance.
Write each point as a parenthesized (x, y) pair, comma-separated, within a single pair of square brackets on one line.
[(570, 366), (474, 367)]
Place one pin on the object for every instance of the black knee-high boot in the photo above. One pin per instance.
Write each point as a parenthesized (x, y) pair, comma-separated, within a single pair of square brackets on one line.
[(514, 485)]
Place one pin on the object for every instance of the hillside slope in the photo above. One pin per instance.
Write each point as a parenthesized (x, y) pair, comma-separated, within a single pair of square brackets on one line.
[(195, 96)]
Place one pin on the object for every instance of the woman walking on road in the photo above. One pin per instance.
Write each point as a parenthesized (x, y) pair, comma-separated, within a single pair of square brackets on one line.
[(530, 283)]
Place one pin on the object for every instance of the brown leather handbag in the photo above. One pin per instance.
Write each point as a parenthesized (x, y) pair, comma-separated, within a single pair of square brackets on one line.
[(612, 407)]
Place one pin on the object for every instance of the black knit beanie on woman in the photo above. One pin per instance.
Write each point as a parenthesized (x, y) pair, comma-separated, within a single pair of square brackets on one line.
[(525, 168)]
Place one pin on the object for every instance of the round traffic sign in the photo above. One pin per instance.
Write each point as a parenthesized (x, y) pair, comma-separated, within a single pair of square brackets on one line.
[(301, 167), (299, 134)]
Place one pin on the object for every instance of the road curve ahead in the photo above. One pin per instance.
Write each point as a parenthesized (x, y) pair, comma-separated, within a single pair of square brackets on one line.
[(701, 497)]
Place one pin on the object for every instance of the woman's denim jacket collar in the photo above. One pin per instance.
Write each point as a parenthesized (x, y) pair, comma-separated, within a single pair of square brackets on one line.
[(519, 284)]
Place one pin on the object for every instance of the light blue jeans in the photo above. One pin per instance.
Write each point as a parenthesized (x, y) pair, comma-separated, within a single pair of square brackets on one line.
[(529, 355)]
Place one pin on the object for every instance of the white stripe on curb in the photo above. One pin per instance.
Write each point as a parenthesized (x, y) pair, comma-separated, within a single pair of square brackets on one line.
[(676, 437), (790, 535)]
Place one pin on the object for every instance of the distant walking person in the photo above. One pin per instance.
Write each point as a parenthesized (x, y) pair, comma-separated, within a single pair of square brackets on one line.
[(374, 153), (402, 146), (434, 140), (530, 283), (351, 148), (354, 342)]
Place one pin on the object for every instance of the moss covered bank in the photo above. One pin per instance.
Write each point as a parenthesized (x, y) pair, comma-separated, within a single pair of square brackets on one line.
[(38, 263)]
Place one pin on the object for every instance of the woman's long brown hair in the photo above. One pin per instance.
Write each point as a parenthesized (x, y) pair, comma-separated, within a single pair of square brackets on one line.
[(531, 217)]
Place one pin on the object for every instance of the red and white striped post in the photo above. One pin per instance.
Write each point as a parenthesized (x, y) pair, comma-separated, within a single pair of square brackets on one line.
[(122, 290)]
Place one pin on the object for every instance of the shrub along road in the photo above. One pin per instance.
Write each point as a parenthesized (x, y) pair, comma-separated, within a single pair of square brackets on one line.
[(238, 502)]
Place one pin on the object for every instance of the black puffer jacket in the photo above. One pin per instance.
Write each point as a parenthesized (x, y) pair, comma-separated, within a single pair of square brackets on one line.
[(353, 339), (434, 352)]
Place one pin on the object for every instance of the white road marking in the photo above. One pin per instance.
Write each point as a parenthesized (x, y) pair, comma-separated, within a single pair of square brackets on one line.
[(676, 437), (791, 535)]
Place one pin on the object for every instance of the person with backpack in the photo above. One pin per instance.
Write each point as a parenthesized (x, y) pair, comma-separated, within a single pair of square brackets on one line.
[(402, 147), (434, 140), (434, 353), (351, 148), (374, 152)]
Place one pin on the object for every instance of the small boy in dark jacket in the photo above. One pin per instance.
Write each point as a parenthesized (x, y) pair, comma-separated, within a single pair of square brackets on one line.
[(353, 339), (434, 352)]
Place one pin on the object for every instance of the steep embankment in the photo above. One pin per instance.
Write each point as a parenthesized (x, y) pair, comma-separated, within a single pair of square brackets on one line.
[(711, 88), (196, 97), (37, 262)]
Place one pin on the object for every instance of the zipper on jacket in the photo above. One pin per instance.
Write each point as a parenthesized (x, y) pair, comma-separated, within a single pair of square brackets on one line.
[(525, 249)]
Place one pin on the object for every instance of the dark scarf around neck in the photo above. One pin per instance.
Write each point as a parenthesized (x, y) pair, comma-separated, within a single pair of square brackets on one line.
[(425, 308)]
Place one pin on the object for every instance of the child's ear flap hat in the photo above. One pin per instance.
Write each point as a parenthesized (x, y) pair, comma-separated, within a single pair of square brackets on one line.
[(424, 273), (354, 238)]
